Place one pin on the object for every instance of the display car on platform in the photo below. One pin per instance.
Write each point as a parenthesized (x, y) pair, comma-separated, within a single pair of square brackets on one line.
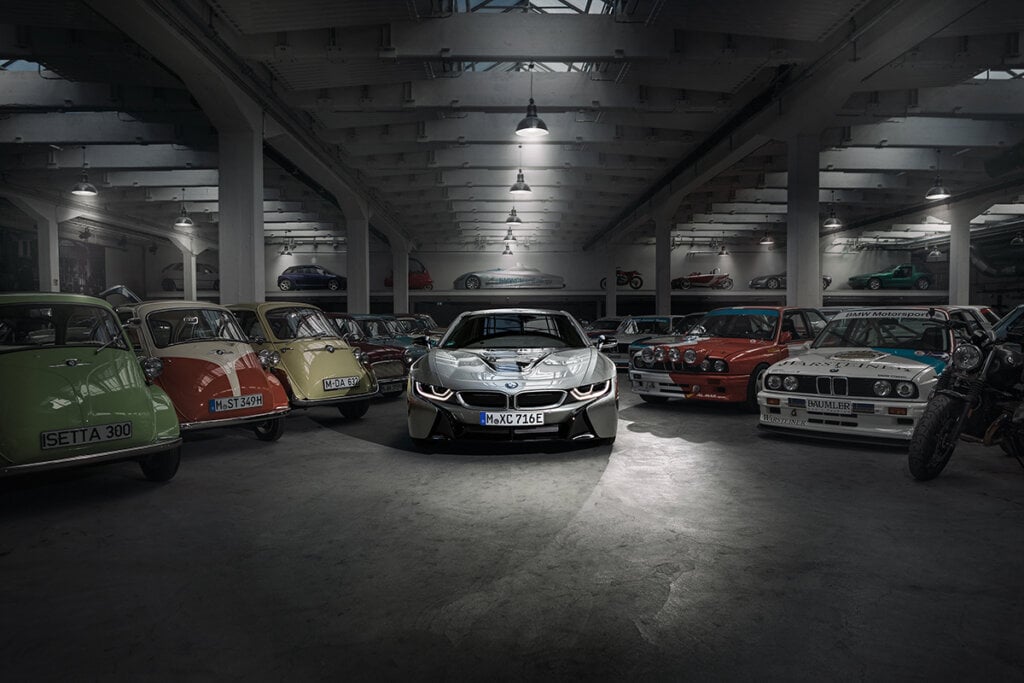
[(419, 276), (75, 392), (212, 374), (868, 374), (778, 281), (513, 375), (519, 277), (902, 276), (724, 355), (390, 364), (317, 367), (713, 279), (310, 277)]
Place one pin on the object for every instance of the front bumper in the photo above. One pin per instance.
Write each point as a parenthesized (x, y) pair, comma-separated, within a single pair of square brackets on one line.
[(312, 403), (232, 421), (707, 386), (159, 446), (576, 421), (874, 419)]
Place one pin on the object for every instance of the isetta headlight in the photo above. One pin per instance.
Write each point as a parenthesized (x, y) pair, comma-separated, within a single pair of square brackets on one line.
[(151, 368), (269, 359)]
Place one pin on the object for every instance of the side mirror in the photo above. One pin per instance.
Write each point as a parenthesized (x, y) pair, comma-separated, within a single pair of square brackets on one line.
[(600, 340), (257, 340), (785, 337)]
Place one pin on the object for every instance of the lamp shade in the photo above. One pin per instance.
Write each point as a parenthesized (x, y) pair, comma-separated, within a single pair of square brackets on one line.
[(183, 220), (513, 217), (532, 126), (83, 188), (938, 191), (832, 222), (508, 250), (767, 239), (520, 186)]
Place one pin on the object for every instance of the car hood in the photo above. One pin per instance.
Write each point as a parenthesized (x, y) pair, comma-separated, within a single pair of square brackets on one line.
[(655, 341), (537, 367), (877, 363)]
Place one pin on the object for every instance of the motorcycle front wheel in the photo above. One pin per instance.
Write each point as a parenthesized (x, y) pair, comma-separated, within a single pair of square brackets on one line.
[(935, 437)]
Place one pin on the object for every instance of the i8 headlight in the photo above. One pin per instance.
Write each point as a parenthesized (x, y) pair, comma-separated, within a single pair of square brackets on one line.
[(269, 359), (719, 366), (905, 389), (774, 382), (689, 356), (673, 355), (790, 383), (967, 357), (647, 354), (882, 388), (434, 392), (588, 391)]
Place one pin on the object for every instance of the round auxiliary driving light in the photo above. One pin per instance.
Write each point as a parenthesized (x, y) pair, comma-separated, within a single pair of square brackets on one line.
[(647, 354), (689, 356), (659, 355), (673, 355), (719, 366), (790, 383)]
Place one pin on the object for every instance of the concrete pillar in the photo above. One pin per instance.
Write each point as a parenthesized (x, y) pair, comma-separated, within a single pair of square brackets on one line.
[(663, 267), (803, 254), (47, 218), (242, 269), (959, 259), (611, 290), (400, 277), (357, 237), (190, 247), (188, 274)]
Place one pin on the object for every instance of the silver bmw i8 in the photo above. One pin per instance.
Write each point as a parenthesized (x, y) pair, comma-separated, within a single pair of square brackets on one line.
[(513, 375)]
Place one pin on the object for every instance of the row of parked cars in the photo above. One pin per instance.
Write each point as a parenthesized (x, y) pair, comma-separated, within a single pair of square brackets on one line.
[(97, 382)]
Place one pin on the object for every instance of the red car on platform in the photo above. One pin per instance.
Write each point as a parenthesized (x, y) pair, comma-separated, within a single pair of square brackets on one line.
[(724, 355), (212, 374)]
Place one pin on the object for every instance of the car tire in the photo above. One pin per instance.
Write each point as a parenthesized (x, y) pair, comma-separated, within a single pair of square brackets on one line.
[(161, 466), (874, 283), (271, 430), (922, 283), (333, 285), (651, 398), (726, 283), (636, 282), (773, 283), (355, 410), (604, 282), (472, 282), (753, 386), (685, 284), (284, 285), (428, 286), (167, 285)]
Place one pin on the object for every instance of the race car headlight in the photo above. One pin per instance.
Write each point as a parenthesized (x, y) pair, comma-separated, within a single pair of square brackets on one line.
[(673, 355), (647, 354), (720, 366), (774, 382), (433, 391), (690, 356), (659, 355), (705, 365), (882, 388), (269, 359), (905, 390), (790, 383), (589, 391), (967, 357), (151, 368)]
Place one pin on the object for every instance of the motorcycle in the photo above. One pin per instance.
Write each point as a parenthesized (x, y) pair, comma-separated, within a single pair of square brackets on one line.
[(979, 397), (625, 277)]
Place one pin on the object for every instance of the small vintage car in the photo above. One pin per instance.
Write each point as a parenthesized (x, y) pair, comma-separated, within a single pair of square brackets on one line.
[(712, 279), (317, 367), (210, 370), (508, 278), (902, 276), (390, 364), (778, 281), (867, 375), (419, 276), (513, 375), (725, 354), (74, 391), (172, 277), (681, 327), (638, 328), (310, 277)]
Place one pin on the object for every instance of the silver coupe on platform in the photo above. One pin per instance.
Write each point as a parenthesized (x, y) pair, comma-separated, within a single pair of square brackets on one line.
[(519, 277), (513, 375)]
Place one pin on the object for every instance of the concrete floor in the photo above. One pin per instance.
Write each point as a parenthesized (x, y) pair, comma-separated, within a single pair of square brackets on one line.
[(692, 548)]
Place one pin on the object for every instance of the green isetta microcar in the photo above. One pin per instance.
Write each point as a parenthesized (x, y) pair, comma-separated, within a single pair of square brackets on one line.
[(74, 391)]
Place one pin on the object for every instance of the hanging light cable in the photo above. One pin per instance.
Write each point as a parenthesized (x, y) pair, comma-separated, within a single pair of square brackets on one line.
[(832, 221), (532, 126), (520, 186), (83, 188), (183, 220), (938, 190)]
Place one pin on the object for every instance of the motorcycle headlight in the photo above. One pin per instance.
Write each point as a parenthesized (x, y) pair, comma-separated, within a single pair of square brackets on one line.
[(790, 383), (588, 391), (673, 355), (647, 354), (269, 359), (720, 366), (967, 357), (882, 388), (433, 392), (151, 368), (774, 382), (905, 390), (659, 355), (690, 356)]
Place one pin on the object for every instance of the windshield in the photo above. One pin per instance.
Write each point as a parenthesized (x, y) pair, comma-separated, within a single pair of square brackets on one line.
[(605, 325), (753, 324), (374, 327), (514, 331), (56, 325), (885, 331), (644, 326), (299, 323), (394, 328), (186, 325)]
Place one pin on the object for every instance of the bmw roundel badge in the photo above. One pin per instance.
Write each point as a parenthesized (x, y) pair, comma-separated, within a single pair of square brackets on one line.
[(511, 385)]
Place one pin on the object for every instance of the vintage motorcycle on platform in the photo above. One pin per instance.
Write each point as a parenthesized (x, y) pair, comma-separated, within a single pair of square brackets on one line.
[(625, 277), (979, 397)]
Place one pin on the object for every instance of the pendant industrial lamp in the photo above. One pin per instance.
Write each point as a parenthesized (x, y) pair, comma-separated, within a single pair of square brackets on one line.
[(767, 239), (513, 217), (183, 219), (832, 221), (83, 188), (520, 186), (532, 126), (508, 250), (938, 190)]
